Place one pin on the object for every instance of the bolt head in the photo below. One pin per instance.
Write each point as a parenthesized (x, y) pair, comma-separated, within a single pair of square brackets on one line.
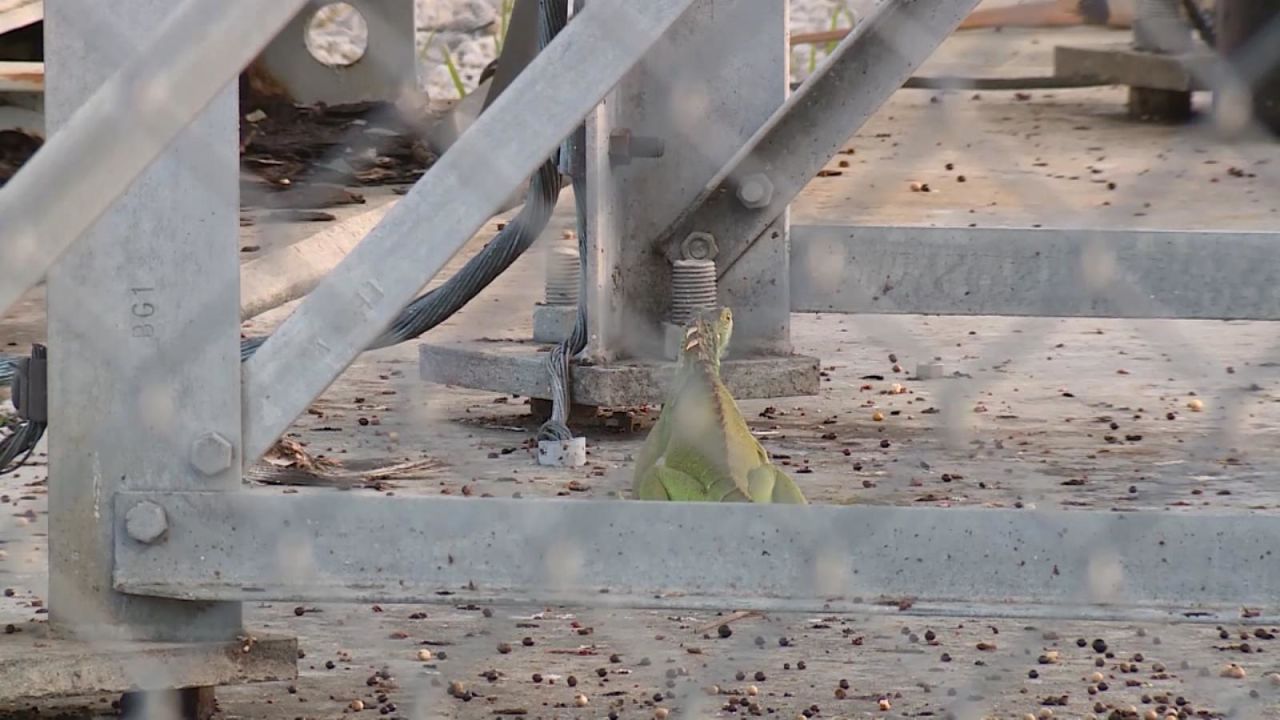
[(211, 453), (755, 191), (699, 246), (146, 522)]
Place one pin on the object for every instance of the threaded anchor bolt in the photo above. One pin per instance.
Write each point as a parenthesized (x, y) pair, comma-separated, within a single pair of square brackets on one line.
[(1159, 27), (693, 289), (563, 273)]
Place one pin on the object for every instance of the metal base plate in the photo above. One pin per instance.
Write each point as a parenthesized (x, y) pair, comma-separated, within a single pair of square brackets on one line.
[(1122, 65), (34, 664), (517, 368)]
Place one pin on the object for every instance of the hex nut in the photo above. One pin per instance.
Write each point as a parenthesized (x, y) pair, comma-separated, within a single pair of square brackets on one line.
[(146, 522), (211, 453), (755, 191), (699, 246)]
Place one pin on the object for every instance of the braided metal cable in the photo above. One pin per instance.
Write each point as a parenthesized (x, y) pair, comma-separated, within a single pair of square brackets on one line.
[(18, 445), (8, 368), (557, 362), (1202, 22)]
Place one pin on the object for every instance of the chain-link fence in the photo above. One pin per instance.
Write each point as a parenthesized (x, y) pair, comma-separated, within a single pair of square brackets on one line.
[(1007, 330)]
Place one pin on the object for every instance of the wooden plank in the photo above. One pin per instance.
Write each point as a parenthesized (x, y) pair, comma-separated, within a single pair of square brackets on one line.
[(22, 77), (16, 14)]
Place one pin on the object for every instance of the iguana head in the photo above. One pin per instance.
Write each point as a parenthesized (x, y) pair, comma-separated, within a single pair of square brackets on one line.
[(707, 337)]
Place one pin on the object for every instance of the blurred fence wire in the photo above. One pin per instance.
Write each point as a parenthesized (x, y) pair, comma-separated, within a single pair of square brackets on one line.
[(1066, 508)]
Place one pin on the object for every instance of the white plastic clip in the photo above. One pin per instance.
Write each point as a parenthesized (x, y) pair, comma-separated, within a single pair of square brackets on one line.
[(563, 453)]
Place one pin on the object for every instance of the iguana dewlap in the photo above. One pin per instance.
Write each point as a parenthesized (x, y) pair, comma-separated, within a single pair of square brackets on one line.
[(701, 448)]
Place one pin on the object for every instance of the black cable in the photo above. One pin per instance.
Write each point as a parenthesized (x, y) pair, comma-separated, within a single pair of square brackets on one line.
[(21, 442), (31, 400), (1202, 23)]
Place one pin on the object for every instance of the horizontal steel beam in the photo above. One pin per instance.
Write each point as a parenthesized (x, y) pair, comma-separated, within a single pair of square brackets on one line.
[(1016, 563), (1035, 272), (361, 297)]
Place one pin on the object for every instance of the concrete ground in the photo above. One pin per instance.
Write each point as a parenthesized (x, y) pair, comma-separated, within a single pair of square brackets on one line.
[(1108, 415)]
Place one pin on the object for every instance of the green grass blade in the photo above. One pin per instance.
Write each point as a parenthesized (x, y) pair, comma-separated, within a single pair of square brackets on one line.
[(454, 74)]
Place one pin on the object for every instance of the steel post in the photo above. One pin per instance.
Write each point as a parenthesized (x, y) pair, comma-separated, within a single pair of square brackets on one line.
[(144, 311), (362, 296), (701, 93)]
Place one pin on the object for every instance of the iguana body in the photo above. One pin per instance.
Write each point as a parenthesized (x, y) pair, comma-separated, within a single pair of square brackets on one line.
[(701, 449)]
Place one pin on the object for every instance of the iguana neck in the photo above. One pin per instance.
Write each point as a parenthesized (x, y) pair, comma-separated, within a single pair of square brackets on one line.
[(700, 350)]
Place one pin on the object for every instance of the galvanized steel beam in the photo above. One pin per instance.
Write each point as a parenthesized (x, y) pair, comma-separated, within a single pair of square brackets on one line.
[(361, 297), (865, 69), (144, 376), (702, 92), (1035, 272), (1015, 563)]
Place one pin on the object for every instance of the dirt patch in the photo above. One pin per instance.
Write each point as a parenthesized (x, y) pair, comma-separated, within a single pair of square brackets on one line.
[(16, 148), (306, 156)]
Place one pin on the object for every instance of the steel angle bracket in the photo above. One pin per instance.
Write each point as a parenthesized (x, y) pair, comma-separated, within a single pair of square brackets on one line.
[(973, 562)]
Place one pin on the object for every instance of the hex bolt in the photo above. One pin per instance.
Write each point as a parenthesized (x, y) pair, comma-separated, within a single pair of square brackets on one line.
[(211, 453), (693, 289), (755, 191), (699, 246), (623, 146), (146, 522), (564, 269)]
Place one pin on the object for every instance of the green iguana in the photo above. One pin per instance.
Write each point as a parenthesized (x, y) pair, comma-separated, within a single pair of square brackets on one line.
[(701, 449)]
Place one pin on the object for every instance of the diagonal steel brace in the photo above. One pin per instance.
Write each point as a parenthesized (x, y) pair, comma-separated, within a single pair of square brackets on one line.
[(362, 296), (121, 130), (864, 70)]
